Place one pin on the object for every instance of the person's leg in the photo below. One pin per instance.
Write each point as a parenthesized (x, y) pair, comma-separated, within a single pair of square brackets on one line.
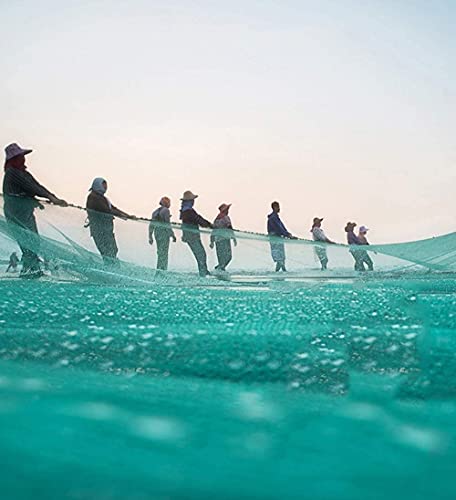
[(324, 263), (162, 253), (106, 245), (369, 262), (111, 250), (224, 254), (198, 251), (228, 253), (358, 265), (220, 257), (278, 255), (29, 243), (324, 260), (282, 256)]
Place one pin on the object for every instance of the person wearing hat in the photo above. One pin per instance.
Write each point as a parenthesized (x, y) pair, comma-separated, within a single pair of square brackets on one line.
[(191, 222), (100, 215), (276, 229), (354, 241), (221, 236), (365, 257), (20, 189), (319, 235), (160, 224)]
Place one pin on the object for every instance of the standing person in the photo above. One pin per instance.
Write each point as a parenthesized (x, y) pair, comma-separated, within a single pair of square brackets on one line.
[(191, 221), (13, 262), (353, 241), (163, 232), (100, 214), (222, 235), (365, 257), (277, 229), (20, 189), (319, 235)]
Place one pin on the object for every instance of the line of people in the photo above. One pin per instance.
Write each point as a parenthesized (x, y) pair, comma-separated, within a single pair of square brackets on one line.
[(276, 228), (222, 236), (20, 189)]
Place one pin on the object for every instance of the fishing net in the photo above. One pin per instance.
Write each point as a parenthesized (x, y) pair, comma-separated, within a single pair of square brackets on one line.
[(118, 381), (66, 241)]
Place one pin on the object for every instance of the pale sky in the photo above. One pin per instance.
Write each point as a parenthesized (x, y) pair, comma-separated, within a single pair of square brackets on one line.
[(339, 109)]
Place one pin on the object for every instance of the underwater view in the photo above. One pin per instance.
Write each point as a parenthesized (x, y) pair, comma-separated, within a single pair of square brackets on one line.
[(118, 381)]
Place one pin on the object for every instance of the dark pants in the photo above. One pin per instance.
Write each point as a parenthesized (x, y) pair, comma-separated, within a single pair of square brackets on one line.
[(106, 244), (162, 252), (198, 251), (224, 254), (25, 232)]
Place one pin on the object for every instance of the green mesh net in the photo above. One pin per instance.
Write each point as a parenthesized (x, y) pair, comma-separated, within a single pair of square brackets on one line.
[(120, 382)]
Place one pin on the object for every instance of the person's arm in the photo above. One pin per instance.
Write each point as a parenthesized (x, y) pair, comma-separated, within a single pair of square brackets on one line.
[(119, 213), (33, 188), (201, 221), (283, 230), (230, 227), (151, 232), (165, 215), (327, 240)]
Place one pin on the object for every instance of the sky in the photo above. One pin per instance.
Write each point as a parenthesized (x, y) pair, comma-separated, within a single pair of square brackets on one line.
[(338, 109)]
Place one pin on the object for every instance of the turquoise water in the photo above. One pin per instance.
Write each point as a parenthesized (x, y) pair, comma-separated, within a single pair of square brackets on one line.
[(311, 390)]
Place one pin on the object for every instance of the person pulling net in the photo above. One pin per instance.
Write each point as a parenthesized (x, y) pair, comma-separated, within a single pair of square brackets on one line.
[(221, 237), (191, 222), (20, 189), (100, 220), (160, 226)]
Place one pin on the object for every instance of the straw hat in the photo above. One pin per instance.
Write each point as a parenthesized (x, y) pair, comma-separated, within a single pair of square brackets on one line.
[(13, 150), (350, 226), (188, 195)]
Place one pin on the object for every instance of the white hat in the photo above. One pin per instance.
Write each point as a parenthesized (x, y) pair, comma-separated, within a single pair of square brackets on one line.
[(363, 229), (13, 150)]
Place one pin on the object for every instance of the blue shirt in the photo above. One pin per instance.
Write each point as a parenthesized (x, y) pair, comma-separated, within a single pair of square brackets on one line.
[(276, 227)]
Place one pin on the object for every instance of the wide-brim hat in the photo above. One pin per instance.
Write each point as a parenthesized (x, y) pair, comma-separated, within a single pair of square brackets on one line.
[(188, 196), (350, 225), (224, 207), (13, 150)]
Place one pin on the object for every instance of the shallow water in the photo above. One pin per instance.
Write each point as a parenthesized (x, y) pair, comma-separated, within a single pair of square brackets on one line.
[(315, 390)]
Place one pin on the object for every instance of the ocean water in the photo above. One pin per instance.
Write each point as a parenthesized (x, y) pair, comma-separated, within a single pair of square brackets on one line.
[(314, 389)]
